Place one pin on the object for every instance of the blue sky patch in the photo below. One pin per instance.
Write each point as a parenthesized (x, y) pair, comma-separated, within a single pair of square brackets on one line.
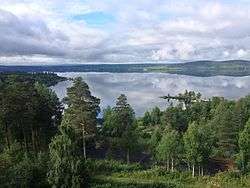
[(95, 18)]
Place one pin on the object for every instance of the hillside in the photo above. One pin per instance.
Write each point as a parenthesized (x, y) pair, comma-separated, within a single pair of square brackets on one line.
[(206, 68), (196, 68)]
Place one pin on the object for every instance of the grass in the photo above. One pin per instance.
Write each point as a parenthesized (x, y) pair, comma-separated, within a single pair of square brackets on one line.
[(112, 174), (163, 69)]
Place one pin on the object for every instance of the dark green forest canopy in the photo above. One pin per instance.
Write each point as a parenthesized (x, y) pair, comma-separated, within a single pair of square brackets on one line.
[(164, 148), (48, 79)]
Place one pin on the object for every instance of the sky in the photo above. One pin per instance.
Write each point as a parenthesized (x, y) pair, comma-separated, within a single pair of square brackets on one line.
[(123, 31)]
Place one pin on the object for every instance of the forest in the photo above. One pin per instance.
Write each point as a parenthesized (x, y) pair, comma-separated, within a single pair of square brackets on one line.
[(193, 68), (45, 142)]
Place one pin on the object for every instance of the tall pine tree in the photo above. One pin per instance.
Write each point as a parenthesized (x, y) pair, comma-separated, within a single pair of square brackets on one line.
[(82, 110), (124, 126)]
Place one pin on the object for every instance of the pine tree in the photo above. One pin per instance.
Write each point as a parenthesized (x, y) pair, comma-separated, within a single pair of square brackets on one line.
[(146, 119), (28, 112), (82, 110), (124, 126), (175, 118), (226, 129), (156, 116)]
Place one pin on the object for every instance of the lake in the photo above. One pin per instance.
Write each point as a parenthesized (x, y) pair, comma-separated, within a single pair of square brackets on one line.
[(144, 89)]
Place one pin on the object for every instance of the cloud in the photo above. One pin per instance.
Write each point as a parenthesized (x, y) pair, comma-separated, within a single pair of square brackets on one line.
[(242, 53), (20, 36), (61, 31)]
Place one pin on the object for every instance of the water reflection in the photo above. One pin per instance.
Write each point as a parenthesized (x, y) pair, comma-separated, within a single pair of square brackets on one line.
[(143, 89)]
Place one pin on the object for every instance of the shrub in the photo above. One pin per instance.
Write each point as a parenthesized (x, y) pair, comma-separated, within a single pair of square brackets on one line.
[(229, 179), (110, 166), (18, 169)]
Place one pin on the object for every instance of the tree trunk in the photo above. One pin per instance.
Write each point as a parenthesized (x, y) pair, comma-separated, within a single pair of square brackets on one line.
[(193, 169), (202, 171), (128, 159), (188, 167), (84, 144), (7, 141), (168, 164), (243, 162), (172, 164), (33, 136), (25, 141), (7, 136), (199, 168), (37, 140)]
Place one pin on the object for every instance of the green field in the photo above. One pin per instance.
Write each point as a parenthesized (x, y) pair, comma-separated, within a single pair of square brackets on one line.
[(205, 68), (158, 177)]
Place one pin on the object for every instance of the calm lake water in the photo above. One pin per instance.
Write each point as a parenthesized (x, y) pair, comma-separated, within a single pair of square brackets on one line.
[(144, 89)]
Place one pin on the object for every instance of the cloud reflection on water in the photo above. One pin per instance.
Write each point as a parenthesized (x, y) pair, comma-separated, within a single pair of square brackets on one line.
[(144, 89)]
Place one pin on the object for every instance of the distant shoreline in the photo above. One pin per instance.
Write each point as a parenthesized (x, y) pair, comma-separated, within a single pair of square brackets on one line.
[(197, 68)]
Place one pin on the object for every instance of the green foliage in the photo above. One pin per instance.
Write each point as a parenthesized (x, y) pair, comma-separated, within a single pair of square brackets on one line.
[(19, 169), (30, 172), (109, 127), (159, 177), (198, 144), (120, 126), (82, 110), (154, 140), (146, 119), (175, 118), (156, 116), (192, 144), (204, 68), (152, 118), (200, 111), (170, 146), (185, 100), (104, 182), (110, 166), (244, 145), (241, 112), (48, 79), (124, 115), (155, 177), (226, 129), (29, 114), (229, 179), (66, 168)]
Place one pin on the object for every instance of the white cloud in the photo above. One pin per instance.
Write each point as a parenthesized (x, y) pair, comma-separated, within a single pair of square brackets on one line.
[(212, 10), (181, 51), (141, 30), (241, 53), (225, 54), (162, 54)]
